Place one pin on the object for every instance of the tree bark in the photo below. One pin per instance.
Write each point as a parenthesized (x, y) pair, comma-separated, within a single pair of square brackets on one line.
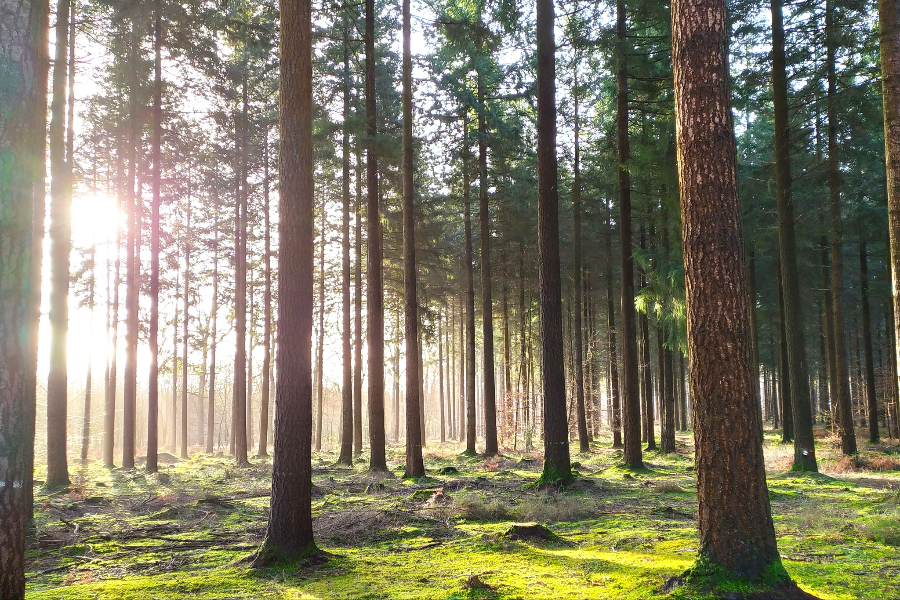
[(239, 398), (88, 384), (470, 293), (290, 532), (186, 324), (357, 323), (24, 42), (267, 311), (584, 444), (871, 398), (153, 383), (320, 345), (557, 466), (844, 416), (60, 247), (375, 289), (415, 467), (213, 316), (616, 417), (346, 455), (630, 393), (804, 441), (735, 521)]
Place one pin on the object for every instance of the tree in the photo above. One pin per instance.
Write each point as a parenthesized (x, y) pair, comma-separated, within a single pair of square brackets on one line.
[(60, 247), (889, 38), (415, 467), (23, 45), (630, 394), (290, 533), (346, 456), (557, 467), (736, 529), (375, 285), (804, 441)]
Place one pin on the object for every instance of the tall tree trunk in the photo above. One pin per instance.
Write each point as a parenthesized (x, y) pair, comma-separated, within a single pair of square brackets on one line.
[(889, 39), (129, 403), (844, 416), (470, 293), (213, 316), (153, 383), (267, 311), (556, 431), (754, 328), (346, 455), (24, 40), (60, 247), (88, 384), (804, 441), (736, 530), (415, 467), (109, 413), (357, 322), (239, 398), (185, 331), (174, 412), (320, 345), (489, 391), (616, 417), (630, 393), (785, 391), (290, 532), (828, 407), (375, 286), (584, 443), (871, 398), (441, 378), (396, 405)]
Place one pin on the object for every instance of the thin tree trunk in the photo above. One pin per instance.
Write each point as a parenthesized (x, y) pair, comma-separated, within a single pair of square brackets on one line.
[(60, 247), (357, 323), (267, 312), (616, 417), (346, 455), (88, 385), (630, 392), (470, 294), (844, 415), (441, 378), (795, 342), (375, 289), (153, 383), (185, 325), (109, 414), (320, 345), (581, 413), (871, 398), (415, 467), (736, 529), (239, 397)]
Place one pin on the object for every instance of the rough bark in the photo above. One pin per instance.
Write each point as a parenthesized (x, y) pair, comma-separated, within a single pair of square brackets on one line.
[(735, 521), (557, 466), (23, 43), (290, 532)]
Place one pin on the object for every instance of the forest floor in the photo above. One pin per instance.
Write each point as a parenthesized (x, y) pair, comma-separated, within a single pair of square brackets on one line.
[(620, 534)]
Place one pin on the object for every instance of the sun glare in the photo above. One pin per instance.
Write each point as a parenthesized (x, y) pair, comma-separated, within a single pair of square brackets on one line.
[(95, 219)]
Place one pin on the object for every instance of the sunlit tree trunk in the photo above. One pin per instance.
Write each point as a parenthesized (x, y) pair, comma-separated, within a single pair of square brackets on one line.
[(239, 397), (469, 293), (60, 247), (556, 431), (185, 331), (320, 344), (357, 323), (153, 381), (735, 521), (290, 532), (267, 313), (88, 384)]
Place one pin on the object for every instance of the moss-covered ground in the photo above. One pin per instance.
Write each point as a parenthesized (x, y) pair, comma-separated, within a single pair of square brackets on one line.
[(183, 534)]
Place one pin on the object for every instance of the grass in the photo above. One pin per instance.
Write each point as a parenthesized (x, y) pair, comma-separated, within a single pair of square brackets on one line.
[(623, 533)]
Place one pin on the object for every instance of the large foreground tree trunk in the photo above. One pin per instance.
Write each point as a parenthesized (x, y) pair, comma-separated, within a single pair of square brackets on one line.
[(290, 532), (736, 530), (557, 466), (23, 44)]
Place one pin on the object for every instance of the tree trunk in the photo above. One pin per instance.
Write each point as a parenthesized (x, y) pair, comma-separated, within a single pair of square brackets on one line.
[(109, 413), (784, 379), (185, 331), (290, 532), (844, 416), (804, 441), (239, 397), (470, 294), (375, 289), (441, 379), (871, 399), (320, 345), (630, 393), (415, 467), (754, 328), (267, 313), (556, 431), (616, 417), (88, 384), (129, 403), (584, 444), (889, 39), (346, 455), (24, 40), (153, 383), (357, 323), (735, 521), (60, 247)]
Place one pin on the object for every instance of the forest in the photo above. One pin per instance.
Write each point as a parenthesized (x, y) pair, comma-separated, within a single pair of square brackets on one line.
[(450, 299)]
